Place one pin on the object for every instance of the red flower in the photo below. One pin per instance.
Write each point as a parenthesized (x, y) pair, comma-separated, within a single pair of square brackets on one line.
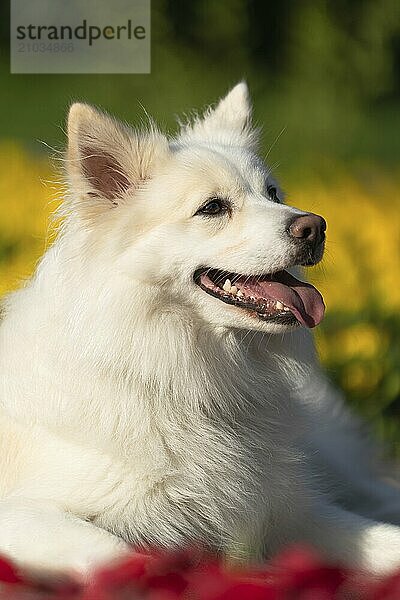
[(299, 573), (8, 573), (296, 574)]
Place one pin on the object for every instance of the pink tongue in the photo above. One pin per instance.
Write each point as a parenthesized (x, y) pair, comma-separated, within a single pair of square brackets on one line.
[(303, 299)]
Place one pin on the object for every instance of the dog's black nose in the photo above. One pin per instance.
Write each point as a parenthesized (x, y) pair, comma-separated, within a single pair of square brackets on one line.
[(310, 228)]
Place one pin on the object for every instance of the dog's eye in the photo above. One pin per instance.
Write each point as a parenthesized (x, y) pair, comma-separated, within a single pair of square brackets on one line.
[(272, 193), (215, 206)]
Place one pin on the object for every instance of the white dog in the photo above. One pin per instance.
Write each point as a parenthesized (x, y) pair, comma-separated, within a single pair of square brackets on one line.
[(142, 401)]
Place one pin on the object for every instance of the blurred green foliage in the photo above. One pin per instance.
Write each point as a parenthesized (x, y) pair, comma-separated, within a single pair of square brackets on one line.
[(326, 72)]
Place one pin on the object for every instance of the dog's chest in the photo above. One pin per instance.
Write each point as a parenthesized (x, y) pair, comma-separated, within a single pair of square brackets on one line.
[(203, 490)]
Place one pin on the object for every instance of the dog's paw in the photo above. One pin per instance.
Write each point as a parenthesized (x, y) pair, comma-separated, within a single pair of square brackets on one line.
[(74, 556), (41, 538), (81, 559), (381, 549)]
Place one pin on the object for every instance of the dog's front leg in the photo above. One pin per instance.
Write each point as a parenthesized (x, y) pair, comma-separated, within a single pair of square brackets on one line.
[(44, 540), (343, 537)]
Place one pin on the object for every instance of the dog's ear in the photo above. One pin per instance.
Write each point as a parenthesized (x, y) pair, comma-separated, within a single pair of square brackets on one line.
[(234, 111), (106, 159), (229, 121)]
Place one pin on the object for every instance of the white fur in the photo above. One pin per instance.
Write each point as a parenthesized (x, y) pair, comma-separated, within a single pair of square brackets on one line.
[(136, 407)]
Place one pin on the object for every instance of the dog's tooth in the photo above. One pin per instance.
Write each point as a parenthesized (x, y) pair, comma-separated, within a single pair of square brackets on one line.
[(240, 294), (279, 305), (234, 290), (227, 286), (286, 309)]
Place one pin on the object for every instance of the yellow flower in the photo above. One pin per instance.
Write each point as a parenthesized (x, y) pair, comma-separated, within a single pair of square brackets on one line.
[(27, 198), (361, 377), (361, 340), (362, 263)]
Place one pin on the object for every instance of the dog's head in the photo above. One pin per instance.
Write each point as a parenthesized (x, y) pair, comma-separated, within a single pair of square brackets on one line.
[(198, 219)]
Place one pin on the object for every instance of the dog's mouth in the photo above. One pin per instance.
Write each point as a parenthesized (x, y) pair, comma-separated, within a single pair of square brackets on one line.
[(278, 297)]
